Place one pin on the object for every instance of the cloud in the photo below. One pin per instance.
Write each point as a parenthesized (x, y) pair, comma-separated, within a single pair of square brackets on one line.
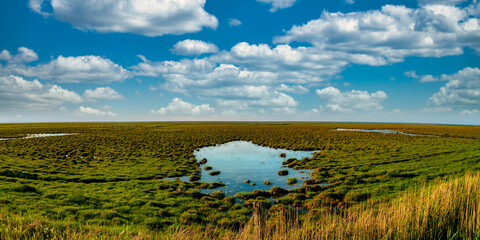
[(335, 41), (254, 74), (96, 112), (203, 78), (85, 69), (422, 78), (278, 4), (148, 18), (437, 109), (397, 111), (18, 93), (337, 101), (470, 112), (231, 105), (36, 5), (278, 100), (106, 93), (440, 2), (194, 47), (411, 74), (462, 89), (379, 37), (24, 55), (200, 74), (225, 82), (428, 78), (349, 1), (293, 89), (180, 107), (290, 65), (5, 55), (234, 22)]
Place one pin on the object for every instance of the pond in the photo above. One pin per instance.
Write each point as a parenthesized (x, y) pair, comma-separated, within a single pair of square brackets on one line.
[(38, 135), (240, 161), (382, 131)]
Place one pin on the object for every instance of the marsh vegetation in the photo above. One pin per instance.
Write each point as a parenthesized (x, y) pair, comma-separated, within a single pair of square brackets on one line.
[(108, 180)]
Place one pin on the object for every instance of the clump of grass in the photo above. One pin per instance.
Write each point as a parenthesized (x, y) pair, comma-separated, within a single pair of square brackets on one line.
[(291, 181), (23, 188), (208, 168), (194, 178), (283, 172), (245, 195), (203, 161), (283, 155), (267, 183), (288, 161), (278, 191), (214, 173), (218, 195), (308, 182)]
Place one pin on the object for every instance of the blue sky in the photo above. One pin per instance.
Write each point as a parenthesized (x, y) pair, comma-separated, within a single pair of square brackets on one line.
[(230, 60)]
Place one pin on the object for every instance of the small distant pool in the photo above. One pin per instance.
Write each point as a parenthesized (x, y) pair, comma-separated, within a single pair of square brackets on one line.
[(382, 131), (38, 135), (239, 161)]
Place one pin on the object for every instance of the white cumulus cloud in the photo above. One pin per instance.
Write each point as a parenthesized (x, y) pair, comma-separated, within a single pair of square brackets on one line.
[(24, 55), (471, 112), (255, 73), (81, 69), (422, 78), (437, 109), (441, 2), (179, 107), (379, 37), (97, 112), (105, 93), (337, 101), (149, 18), (194, 47), (462, 89), (234, 22), (18, 93), (428, 78), (411, 74), (278, 4), (299, 89)]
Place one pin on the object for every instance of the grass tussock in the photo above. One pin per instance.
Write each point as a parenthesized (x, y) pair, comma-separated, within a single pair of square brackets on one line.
[(448, 210)]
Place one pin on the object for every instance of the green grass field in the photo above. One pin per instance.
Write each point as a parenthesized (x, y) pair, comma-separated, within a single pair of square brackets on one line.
[(106, 180)]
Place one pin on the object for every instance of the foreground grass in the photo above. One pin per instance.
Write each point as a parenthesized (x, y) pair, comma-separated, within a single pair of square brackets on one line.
[(446, 210)]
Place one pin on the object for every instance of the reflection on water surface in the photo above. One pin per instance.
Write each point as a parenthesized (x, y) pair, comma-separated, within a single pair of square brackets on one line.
[(239, 161)]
